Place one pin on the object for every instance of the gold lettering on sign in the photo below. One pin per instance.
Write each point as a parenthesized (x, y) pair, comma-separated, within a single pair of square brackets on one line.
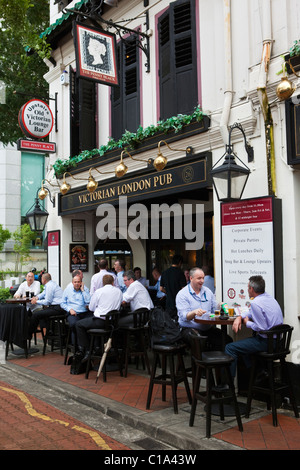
[(126, 188)]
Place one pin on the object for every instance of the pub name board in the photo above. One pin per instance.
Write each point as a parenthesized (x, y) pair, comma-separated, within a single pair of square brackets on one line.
[(185, 177)]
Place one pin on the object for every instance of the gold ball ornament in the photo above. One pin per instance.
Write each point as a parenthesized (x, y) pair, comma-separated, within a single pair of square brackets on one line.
[(285, 89)]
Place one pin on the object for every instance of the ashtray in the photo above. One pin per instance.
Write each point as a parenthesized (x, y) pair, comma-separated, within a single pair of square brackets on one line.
[(224, 317)]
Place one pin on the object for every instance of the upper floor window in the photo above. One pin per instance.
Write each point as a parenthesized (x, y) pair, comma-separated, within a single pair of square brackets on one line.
[(125, 99), (178, 85), (82, 114)]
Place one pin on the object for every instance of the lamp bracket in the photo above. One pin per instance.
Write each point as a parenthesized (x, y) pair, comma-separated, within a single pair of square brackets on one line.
[(248, 147), (93, 11), (52, 199)]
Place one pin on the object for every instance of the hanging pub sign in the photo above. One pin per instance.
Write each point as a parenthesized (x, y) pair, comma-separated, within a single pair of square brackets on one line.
[(36, 146), (95, 51), (36, 119)]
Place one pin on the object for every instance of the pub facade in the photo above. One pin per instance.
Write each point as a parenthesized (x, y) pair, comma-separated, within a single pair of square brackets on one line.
[(140, 124)]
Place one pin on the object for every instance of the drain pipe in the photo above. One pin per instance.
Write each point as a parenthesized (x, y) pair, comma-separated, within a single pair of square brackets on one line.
[(263, 97), (228, 72)]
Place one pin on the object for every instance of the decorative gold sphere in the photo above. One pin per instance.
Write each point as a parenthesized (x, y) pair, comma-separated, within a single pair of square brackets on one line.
[(42, 193), (160, 162), (65, 187), (285, 89), (92, 184), (121, 170)]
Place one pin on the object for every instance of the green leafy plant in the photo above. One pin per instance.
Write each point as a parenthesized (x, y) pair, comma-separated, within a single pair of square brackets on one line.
[(22, 237), (295, 49), (4, 293), (130, 140)]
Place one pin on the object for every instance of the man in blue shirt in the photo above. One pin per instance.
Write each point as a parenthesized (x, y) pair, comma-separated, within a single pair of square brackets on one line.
[(160, 297), (119, 266), (75, 301), (50, 300), (263, 314), (197, 301)]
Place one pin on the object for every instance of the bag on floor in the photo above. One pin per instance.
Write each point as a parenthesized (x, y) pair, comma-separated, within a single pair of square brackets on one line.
[(164, 329), (76, 365)]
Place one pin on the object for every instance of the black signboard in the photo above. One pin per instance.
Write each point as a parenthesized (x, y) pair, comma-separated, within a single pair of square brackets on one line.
[(187, 176)]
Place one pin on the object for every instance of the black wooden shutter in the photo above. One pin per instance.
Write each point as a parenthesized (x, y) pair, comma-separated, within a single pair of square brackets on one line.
[(82, 114), (178, 59), (125, 105), (87, 115)]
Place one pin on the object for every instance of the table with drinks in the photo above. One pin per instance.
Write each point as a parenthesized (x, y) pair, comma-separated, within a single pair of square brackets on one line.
[(224, 316)]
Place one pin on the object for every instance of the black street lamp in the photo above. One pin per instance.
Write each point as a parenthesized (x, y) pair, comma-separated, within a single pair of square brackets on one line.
[(37, 217), (229, 178)]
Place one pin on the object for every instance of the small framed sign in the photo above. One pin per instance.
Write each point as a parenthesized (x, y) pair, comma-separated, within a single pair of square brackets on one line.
[(95, 51), (79, 257), (78, 230)]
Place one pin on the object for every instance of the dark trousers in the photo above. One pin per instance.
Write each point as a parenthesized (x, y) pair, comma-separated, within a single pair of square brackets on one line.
[(41, 316), (85, 324)]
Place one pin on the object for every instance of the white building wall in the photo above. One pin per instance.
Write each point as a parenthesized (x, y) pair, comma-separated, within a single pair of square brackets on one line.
[(248, 27)]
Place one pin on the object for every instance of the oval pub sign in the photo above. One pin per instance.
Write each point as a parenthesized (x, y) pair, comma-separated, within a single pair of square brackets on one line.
[(36, 119)]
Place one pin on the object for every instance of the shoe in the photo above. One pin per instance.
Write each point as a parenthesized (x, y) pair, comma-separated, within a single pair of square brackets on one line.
[(85, 357)]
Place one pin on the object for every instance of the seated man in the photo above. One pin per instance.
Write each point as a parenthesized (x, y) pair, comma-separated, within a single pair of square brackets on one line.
[(50, 299), (263, 314), (31, 286), (75, 301), (160, 297), (104, 300), (136, 295), (97, 279), (138, 276), (196, 300)]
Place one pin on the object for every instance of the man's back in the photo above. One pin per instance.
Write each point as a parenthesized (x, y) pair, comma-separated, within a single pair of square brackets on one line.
[(172, 280)]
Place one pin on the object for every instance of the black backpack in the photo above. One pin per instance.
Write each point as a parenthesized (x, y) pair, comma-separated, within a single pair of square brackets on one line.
[(164, 329)]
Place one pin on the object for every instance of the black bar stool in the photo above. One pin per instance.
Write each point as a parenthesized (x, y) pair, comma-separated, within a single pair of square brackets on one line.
[(173, 378), (211, 361), (279, 338)]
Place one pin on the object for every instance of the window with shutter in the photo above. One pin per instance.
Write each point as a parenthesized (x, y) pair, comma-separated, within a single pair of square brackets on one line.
[(125, 99), (177, 59), (82, 114)]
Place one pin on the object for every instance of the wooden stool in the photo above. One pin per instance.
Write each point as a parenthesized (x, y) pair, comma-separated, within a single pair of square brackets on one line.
[(173, 378)]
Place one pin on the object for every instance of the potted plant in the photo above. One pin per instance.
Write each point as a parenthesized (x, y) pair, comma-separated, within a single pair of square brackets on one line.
[(293, 58)]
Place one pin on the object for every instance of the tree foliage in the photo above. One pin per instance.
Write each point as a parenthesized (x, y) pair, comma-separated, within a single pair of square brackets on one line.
[(21, 59), (22, 237), (4, 236)]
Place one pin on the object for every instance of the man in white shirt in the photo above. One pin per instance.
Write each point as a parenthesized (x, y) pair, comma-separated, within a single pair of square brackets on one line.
[(29, 286), (104, 300), (97, 279), (50, 299), (136, 295)]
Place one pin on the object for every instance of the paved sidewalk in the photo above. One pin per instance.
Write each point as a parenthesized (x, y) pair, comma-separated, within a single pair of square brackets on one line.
[(124, 399)]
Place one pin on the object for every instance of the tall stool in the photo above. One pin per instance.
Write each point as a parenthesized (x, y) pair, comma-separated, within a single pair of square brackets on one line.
[(55, 331), (211, 361), (173, 378), (136, 332), (279, 338), (110, 327)]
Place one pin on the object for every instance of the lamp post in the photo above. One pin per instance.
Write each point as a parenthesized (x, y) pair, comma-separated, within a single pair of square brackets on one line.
[(229, 178), (37, 217)]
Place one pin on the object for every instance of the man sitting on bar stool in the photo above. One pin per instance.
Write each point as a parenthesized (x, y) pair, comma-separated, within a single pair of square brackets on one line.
[(263, 314), (136, 295), (29, 287), (104, 300), (50, 299), (196, 300)]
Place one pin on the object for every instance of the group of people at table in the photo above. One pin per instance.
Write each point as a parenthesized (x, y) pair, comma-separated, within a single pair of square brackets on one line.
[(187, 300)]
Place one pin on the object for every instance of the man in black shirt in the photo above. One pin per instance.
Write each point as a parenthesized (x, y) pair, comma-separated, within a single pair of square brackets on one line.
[(172, 280)]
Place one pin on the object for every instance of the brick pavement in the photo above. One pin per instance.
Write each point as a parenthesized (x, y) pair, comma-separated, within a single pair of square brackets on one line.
[(132, 391), (30, 424)]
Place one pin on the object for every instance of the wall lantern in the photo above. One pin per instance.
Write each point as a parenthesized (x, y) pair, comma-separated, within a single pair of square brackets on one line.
[(229, 178), (36, 216)]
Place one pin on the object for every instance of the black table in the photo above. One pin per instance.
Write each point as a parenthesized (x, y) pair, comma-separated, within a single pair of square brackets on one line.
[(14, 320)]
